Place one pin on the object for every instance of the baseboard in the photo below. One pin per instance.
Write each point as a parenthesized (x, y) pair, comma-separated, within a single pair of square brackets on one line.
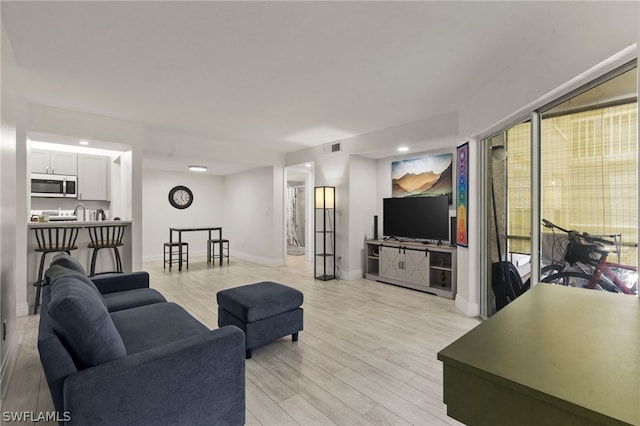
[(22, 309), (355, 274), (467, 308), (260, 260), (256, 259), (160, 257)]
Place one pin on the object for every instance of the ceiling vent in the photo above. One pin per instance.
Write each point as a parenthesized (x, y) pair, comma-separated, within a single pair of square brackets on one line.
[(329, 148)]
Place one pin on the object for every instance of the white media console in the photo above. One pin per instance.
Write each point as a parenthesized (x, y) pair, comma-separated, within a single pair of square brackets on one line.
[(426, 267)]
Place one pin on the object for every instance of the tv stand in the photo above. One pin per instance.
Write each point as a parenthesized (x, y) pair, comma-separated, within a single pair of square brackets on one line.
[(430, 268)]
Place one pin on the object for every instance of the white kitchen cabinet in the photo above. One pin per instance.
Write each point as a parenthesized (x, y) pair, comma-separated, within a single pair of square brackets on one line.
[(40, 161), (93, 177), (54, 162)]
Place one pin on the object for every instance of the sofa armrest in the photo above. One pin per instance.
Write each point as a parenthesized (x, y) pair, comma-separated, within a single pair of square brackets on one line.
[(198, 380), (121, 282)]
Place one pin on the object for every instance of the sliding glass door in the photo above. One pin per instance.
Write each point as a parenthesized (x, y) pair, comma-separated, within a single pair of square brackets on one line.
[(589, 169), (509, 204), (586, 156)]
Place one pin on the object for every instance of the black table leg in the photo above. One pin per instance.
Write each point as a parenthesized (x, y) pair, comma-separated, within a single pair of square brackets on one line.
[(170, 249), (179, 250)]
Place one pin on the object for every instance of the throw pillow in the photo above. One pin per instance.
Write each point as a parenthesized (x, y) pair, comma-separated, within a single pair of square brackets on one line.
[(56, 272), (64, 259), (80, 318)]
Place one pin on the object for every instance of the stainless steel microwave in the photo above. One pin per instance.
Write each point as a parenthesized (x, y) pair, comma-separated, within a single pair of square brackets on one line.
[(54, 186)]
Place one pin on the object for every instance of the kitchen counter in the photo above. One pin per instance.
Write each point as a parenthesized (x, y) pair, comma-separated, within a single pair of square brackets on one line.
[(76, 223), (105, 260)]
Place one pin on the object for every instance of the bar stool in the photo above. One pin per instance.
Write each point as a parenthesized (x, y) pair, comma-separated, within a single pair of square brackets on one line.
[(223, 252), (174, 249), (109, 237), (51, 240)]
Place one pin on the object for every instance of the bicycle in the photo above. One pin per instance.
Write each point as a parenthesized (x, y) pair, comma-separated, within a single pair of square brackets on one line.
[(585, 264)]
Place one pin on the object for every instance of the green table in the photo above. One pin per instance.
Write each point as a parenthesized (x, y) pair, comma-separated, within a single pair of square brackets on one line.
[(556, 356)]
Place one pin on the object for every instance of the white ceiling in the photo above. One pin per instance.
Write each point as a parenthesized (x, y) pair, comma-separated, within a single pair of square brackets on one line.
[(265, 77)]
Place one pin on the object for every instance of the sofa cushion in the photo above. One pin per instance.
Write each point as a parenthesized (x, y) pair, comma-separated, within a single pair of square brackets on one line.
[(64, 259), (57, 272), (79, 316), (132, 298), (150, 326)]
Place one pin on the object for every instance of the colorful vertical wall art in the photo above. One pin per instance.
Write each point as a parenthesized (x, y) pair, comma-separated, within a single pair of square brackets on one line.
[(462, 204)]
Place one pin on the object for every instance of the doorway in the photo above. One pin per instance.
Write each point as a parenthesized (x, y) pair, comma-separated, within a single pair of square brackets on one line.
[(298, 197), (296, 241)]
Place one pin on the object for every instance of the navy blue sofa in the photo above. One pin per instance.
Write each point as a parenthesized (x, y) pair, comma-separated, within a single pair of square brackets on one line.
[(115, 351)]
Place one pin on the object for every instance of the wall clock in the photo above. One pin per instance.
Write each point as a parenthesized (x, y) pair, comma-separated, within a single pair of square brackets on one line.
[(180, 197)]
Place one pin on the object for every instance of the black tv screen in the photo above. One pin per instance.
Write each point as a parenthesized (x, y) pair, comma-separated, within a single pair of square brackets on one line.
[(424, 218)]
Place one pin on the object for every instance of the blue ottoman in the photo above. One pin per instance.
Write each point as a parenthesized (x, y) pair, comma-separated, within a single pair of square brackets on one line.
[(264, 311)]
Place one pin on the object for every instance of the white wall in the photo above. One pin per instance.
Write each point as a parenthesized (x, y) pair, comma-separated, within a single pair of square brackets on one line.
[(158, 215), (58, 121), (21, 208), (8, 272), (422, 135), (468, 259), (362, 208), (253, 221), (593, 32), (278, 245), (8, 346)]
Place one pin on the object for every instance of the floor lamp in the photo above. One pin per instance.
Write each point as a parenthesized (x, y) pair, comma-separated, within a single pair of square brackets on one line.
[(325, 233)]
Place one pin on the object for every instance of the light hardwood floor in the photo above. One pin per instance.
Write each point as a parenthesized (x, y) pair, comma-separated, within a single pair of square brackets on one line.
[(367, 355)]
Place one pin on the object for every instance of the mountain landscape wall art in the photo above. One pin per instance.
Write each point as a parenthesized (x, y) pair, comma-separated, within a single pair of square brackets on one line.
[(428, 176)]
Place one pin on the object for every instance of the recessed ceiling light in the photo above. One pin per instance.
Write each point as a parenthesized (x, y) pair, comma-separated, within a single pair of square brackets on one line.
[(403, 149), (308, 165), (195, 168), (84, 143)]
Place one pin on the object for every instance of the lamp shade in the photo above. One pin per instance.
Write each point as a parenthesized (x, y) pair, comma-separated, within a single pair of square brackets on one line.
[(325, 197)]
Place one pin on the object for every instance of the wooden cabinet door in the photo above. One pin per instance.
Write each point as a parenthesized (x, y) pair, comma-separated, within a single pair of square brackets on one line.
[(416, 267), (390, 262)]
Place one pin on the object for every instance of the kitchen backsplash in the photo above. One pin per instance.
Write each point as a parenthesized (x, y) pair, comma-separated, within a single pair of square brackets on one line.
[(55, 204)]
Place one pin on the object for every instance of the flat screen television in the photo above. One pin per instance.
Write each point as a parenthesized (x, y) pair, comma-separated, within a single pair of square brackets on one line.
[(423, 218)]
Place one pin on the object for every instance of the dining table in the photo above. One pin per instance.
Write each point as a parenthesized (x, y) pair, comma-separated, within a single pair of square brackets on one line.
[(179, 231)]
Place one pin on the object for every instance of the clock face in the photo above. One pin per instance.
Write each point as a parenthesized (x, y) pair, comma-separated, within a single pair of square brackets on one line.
[(180, 197)]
